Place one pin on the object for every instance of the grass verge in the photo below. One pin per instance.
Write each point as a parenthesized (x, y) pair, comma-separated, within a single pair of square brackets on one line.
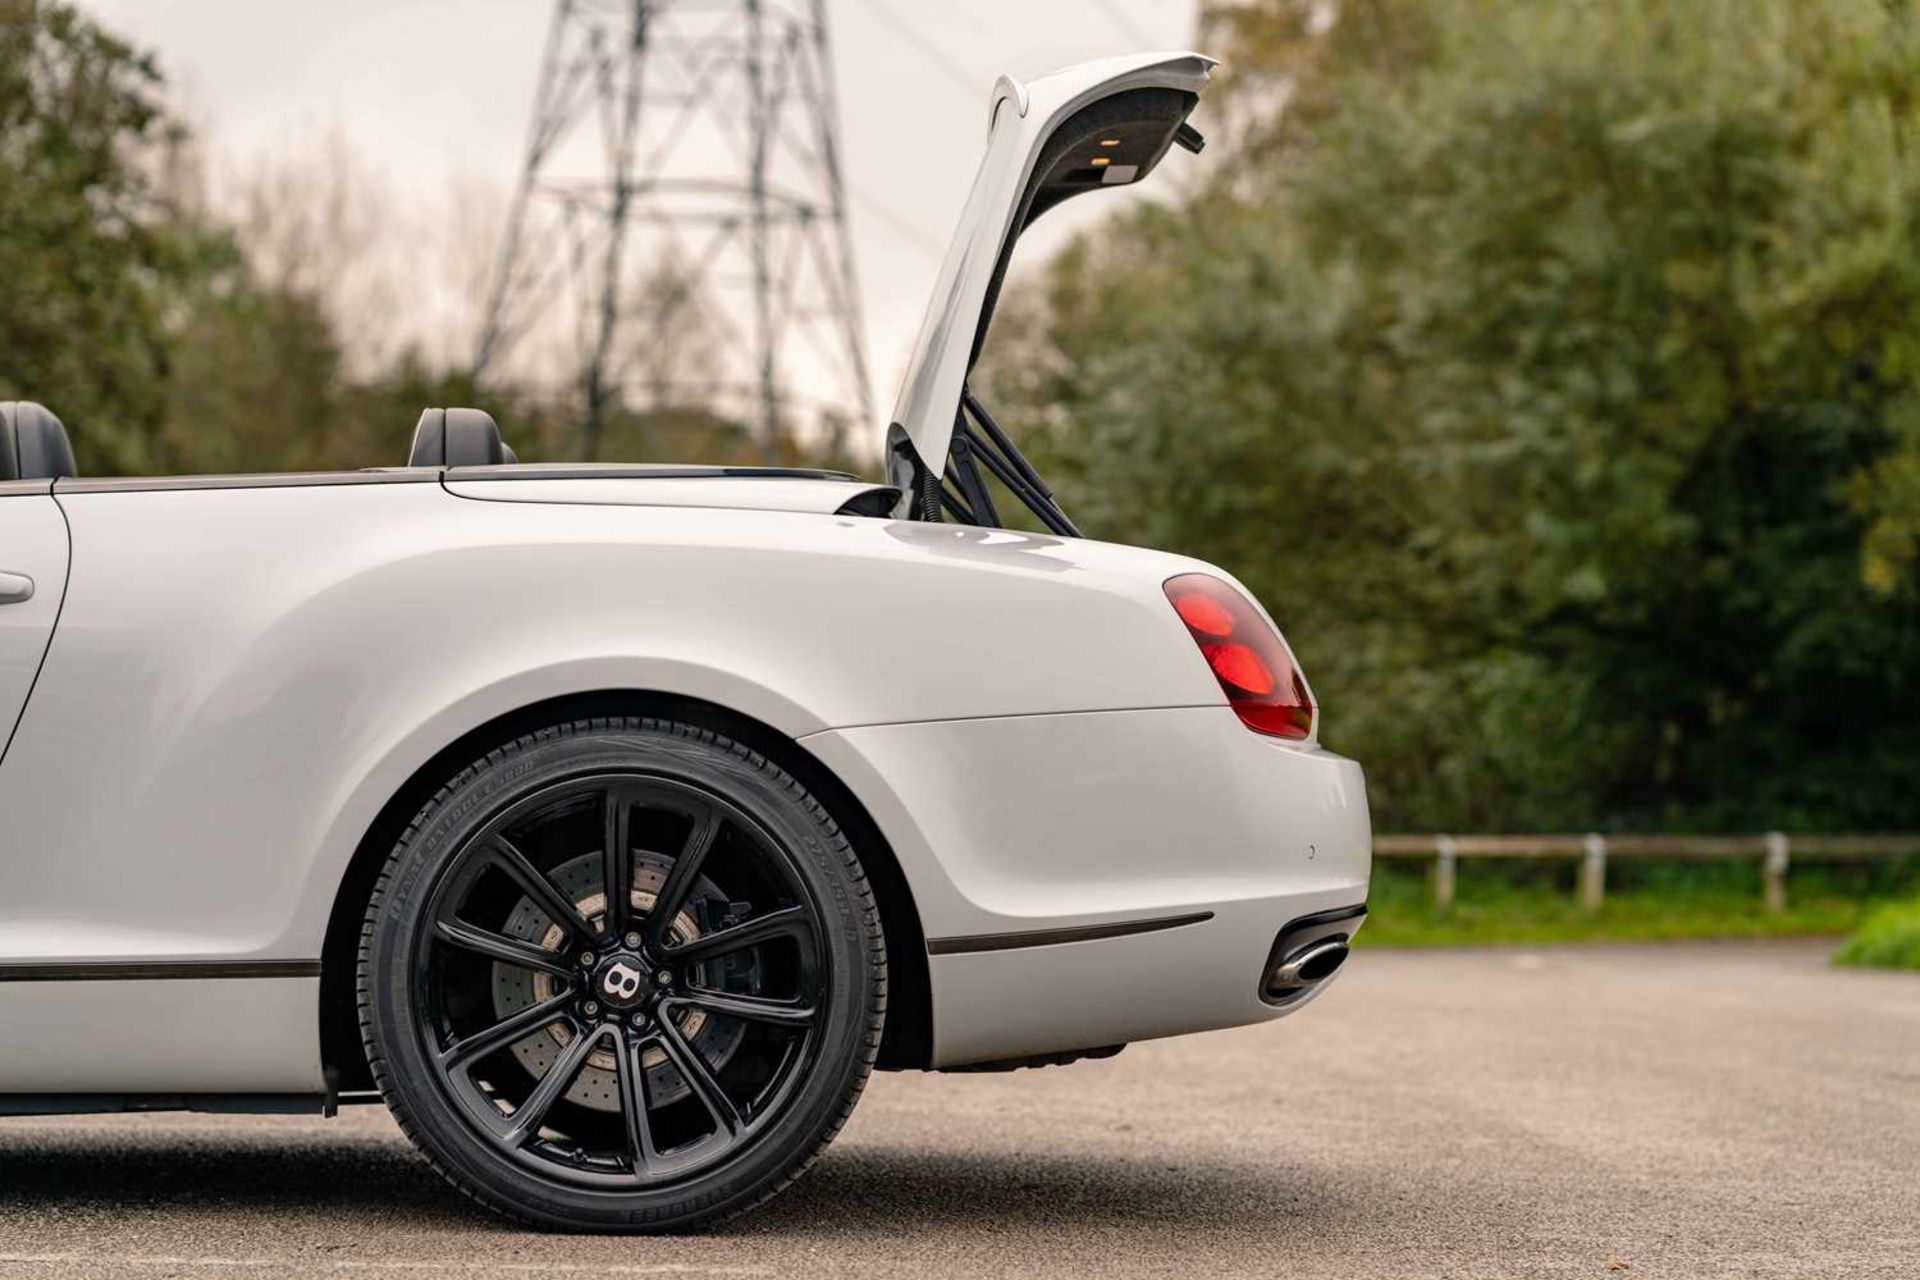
[(1889, 938), (1534, 902)]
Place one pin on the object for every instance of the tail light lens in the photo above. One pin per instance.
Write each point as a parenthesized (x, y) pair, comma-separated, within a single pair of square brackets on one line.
[(1245, 655)]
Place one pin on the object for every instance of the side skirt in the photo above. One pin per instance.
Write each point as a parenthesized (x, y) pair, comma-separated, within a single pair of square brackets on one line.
[(170, 1029), (82, 1104)]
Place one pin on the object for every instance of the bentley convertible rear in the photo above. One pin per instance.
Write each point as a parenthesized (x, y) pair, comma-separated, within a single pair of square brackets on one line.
[(610, 824)]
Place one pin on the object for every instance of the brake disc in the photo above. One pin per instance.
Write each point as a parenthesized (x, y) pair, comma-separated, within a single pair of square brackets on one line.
[(514, 988)]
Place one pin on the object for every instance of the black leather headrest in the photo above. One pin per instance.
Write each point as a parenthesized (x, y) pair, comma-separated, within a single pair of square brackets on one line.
[(458, 438), (33, 444)]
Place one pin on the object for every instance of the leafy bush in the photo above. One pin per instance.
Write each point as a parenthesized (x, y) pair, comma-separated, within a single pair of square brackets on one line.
[(1553, 373), (1887, 939)]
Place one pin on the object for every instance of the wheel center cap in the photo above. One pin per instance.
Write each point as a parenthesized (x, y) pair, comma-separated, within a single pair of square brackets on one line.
[(622, 980)]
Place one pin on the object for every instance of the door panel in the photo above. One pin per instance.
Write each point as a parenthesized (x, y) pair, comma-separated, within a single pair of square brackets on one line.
[(33, 577)]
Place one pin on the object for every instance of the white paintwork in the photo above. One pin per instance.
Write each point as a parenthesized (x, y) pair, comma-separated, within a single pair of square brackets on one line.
[(33, 545), (823, 497), (242, 677), (177, 1035), (1020, 120), (249, 669), (995, 1005), (1093, 817), (1026, 823)]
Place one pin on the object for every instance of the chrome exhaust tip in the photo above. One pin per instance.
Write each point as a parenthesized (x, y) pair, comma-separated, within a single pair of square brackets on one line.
[(1308, 952), (1313, 963)]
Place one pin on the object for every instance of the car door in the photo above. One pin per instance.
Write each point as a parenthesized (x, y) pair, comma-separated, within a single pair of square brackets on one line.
[(33, 577)]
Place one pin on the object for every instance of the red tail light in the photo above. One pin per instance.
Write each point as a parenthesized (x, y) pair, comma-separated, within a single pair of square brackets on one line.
[(1245, 655)]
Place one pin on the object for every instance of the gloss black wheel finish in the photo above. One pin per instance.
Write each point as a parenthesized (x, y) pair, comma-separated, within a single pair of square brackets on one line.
[(622, 975)]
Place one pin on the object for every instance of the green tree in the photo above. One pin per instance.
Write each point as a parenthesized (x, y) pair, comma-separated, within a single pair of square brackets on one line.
[(174, 339), (255, 380), (1546, 369), (84, 253)]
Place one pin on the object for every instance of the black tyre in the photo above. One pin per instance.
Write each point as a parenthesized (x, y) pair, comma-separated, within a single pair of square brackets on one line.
[(584, 1059)]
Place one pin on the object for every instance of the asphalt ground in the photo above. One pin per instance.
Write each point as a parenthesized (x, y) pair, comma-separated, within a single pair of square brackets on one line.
[(1672, 1111)]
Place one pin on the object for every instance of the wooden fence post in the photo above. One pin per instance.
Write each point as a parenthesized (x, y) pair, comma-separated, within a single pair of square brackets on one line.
[(1593, 872), (1443, 868), (1774, 873)]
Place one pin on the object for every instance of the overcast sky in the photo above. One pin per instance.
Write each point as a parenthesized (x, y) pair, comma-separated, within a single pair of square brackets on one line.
[(430, 90)]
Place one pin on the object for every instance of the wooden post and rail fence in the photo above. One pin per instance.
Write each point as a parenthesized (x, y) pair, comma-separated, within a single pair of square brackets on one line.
[(1774, 850)]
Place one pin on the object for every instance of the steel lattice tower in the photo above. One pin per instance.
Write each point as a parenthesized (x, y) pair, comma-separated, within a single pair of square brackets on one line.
[(682, 197)]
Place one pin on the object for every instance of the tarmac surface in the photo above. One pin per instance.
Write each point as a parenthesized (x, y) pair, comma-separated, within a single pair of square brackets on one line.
[(1672, 1111)]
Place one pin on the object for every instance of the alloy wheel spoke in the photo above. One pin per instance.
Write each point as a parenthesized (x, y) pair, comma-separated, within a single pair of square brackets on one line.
[(700, 1078), (527, 1116), (634, 1100), (497, 946), (787, 922), (783, 1013), (680, 877), (617, 858), (504, 1032), (538, 857), (534, 883)]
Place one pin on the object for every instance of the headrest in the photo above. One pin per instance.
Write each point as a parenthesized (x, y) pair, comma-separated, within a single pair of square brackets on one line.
[(33, 444), (458, 438)]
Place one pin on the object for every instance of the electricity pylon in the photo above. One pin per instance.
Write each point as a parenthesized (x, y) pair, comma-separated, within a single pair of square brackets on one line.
[(682, 196)]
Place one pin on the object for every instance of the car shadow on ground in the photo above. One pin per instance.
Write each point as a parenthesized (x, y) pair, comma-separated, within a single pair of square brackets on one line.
[(853, 1190), (124, 1171), (860, 1190)]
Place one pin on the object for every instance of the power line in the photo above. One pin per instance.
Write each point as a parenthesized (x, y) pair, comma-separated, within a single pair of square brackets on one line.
[(919, 238), (1128, 27), (956, 73), (933, 53), (622, 83)]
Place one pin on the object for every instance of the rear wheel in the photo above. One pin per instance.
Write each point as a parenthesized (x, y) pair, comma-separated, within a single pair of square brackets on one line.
[(622, 975)]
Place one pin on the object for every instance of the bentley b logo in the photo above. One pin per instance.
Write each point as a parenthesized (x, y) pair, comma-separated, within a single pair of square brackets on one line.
[(621, 981)]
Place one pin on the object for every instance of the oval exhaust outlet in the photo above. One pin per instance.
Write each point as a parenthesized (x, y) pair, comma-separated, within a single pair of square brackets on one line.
[(1315, 962)]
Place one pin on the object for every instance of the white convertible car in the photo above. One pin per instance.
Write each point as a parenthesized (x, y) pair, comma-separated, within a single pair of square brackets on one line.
[(611, 823)]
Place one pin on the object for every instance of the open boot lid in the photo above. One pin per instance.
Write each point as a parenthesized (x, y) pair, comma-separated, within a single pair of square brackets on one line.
[(1101, 124)]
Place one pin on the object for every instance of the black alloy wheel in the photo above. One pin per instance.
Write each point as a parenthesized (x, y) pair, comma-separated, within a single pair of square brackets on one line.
[(622, 975)]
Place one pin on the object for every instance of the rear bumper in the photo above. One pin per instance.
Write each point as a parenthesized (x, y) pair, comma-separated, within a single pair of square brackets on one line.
[(1079, 995), (1015, 832)]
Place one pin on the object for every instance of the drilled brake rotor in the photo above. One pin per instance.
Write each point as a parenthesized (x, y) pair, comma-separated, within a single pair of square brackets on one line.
[(515, 988)]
